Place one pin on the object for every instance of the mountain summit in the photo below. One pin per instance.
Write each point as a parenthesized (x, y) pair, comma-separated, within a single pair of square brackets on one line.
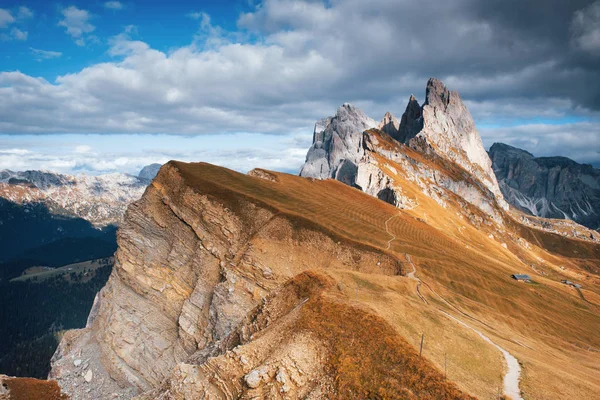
[(441, 128), (449, 130), (336, 143)]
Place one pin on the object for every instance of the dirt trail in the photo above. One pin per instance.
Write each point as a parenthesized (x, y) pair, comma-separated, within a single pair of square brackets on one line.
[(389, 243), (411, 275), (513, 374)]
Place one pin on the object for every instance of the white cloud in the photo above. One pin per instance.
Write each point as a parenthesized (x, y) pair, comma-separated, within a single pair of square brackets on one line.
[(18, 34), (24, 13), (18, 152), (115, 153), (82, 149), (40, 55), (292, 62), (585, 28), (6, 18), (76, 22), (198, 15), (113, 5)]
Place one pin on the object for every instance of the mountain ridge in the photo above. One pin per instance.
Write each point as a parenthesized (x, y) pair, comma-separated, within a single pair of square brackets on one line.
[(548, 187), (101, 200)]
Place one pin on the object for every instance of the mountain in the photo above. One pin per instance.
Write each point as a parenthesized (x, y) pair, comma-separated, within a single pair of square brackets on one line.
[(441, 129), (39, 208), (149, 172), (335, 148), (397, 282), (548, 187), (101, 200)]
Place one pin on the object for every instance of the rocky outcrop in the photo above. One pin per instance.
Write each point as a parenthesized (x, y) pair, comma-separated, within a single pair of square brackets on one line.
[(335, 149), (548, 187), (449, 131), (192, 263), (390, 125), (442, 129), (412, 121)]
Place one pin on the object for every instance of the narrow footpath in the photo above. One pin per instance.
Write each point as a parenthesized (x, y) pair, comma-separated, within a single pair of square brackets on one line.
[(513, 373)]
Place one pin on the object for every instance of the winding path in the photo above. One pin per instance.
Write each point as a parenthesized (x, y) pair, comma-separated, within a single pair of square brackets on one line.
[(513, 374), (389, 243), (411, 275)]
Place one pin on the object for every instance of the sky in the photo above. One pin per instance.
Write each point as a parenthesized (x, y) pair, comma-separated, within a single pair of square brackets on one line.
[(104, 86)]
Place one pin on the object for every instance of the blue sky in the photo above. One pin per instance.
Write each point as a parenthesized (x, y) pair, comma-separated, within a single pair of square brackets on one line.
[(164, 27), (240, 83)]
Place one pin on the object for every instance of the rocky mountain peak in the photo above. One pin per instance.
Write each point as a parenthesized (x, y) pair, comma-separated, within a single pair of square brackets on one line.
[(502, 148), (450, 132), (390, 125), (548, 187), (443, 125), (336, 140), (437, 94), (411, 122)]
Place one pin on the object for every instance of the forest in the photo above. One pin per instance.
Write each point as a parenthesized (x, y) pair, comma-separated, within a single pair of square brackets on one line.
[(34, 314)]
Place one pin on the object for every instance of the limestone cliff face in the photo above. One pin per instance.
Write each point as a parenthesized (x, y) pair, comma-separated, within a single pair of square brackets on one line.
[(441, 130), (390, 125), (448, 129), (189, 269), (335, 149)]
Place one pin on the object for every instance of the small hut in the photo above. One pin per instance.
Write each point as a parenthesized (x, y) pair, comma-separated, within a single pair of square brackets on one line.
[(521, 277)]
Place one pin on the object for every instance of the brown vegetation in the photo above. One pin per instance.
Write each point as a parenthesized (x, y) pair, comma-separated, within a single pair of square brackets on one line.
[(30, 389), (468, 265)]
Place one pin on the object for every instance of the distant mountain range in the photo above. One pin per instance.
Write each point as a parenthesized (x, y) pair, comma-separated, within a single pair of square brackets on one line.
[(101, 200), (548, 187), (53, 219), (50, 220)]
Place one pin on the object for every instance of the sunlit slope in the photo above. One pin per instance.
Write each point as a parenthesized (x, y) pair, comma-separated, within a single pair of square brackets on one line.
[(465, 271)]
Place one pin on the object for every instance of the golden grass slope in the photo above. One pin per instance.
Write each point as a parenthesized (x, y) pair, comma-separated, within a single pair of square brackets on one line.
[(465, 270)]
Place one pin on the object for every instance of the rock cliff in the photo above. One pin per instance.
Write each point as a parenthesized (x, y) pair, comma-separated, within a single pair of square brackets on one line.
[(270, 285), (335, 149), (441, 130), (449, 130), (548, 187), (193, 291)]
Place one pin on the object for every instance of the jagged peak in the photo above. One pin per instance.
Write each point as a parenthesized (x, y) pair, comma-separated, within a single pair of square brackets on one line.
[(437, 94), (411, 122), (349, 109), (389, 124)]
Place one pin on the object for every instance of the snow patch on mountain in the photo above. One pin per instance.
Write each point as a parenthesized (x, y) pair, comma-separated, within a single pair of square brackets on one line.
[(101, 200)]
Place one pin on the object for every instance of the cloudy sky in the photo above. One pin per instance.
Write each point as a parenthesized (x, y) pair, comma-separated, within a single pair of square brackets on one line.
[(93, 86)]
